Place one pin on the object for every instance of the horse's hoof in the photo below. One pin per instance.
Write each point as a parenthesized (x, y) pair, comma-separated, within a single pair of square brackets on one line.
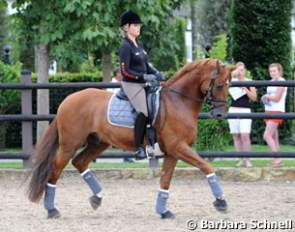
[(95, 201), (53, 213), (167, 215), (220, 205)]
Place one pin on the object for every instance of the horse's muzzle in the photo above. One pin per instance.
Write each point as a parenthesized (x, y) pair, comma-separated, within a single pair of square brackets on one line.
[(218, 112)]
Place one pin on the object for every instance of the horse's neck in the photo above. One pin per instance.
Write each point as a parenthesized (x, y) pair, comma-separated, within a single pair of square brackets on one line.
[(186, 93), (188, 86)]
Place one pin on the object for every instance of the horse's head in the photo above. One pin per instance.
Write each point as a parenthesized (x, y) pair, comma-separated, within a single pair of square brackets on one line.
[(214, 86), (203, 81)]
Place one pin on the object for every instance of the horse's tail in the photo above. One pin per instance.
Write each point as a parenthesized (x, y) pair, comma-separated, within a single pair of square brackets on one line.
[(41, 161)]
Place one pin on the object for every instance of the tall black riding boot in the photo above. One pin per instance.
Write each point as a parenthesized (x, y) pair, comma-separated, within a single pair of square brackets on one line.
[(139, 132)]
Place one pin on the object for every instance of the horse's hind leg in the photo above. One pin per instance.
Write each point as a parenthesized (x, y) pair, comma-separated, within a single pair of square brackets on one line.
[(81, 161), (187, 154), (62, 158), (163, 193)]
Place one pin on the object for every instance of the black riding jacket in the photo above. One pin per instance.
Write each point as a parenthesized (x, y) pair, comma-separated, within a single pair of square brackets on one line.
[(134, 62)]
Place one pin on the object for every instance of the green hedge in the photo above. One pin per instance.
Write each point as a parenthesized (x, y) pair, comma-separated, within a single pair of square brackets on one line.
[(212, 135), (9, 99)]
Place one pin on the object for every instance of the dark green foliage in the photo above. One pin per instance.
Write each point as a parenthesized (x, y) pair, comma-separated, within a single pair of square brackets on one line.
[(212, 18), (75, 29), (9, 99), (212, 135), (164, 54), (261, 35)]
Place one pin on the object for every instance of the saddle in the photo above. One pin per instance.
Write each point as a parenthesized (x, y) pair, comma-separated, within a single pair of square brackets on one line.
[(121, 112)]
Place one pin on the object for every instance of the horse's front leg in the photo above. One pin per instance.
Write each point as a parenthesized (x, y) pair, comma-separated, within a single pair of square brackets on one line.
[(188, 155), (168, 167)]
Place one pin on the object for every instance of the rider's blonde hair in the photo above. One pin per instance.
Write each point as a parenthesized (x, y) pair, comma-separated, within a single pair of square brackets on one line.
[(123, 31)]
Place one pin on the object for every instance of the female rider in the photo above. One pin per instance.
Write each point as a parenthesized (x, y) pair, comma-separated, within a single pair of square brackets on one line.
[(136, 71)]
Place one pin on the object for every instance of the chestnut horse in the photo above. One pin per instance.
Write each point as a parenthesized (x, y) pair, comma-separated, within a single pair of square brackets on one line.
[(81, 121)]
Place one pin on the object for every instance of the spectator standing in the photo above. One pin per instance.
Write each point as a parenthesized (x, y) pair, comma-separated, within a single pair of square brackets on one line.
[(241, 128), (274, 102)]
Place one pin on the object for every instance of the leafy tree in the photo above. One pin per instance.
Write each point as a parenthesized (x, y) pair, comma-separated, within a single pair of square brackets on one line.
[(62, 26), (218, 50), (212, 19), (261, 34), (164, 54)]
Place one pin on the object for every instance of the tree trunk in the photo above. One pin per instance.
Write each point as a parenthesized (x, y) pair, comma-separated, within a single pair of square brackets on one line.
[(107, 66), (42, 94), (194, 28)]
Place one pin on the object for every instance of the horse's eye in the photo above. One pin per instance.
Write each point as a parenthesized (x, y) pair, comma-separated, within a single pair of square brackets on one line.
[(219, 87)]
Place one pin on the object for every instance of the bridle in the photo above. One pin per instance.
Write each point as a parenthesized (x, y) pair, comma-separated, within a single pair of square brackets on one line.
[(208, 99)]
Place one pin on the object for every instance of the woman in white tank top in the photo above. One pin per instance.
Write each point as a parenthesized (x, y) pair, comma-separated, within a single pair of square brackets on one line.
[(274, 102)]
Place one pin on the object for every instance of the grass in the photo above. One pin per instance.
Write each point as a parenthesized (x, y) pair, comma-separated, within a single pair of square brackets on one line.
[(264, 148), (17, 164), (120, 165)]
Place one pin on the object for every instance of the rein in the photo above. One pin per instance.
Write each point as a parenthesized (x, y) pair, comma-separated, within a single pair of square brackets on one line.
[(186, 96), (208, 95), (206, 99)]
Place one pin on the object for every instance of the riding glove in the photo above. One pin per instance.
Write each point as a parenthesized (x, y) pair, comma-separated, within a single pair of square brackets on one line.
[(149, 77), (160, 76)]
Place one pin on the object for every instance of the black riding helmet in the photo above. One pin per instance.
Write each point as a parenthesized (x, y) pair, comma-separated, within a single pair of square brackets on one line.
[(130, 17)]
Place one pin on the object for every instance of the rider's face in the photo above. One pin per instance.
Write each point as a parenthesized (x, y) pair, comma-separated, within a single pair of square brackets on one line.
[(134, 30)]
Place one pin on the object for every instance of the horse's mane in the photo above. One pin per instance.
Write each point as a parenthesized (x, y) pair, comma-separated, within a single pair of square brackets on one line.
[(187, 68)]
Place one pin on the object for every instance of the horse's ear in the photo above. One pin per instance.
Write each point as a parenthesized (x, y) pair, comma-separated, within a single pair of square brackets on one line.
[(231, 67)]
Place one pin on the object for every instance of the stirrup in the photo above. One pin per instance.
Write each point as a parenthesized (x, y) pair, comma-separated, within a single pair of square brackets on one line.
[(150, 152), (140, 154)]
